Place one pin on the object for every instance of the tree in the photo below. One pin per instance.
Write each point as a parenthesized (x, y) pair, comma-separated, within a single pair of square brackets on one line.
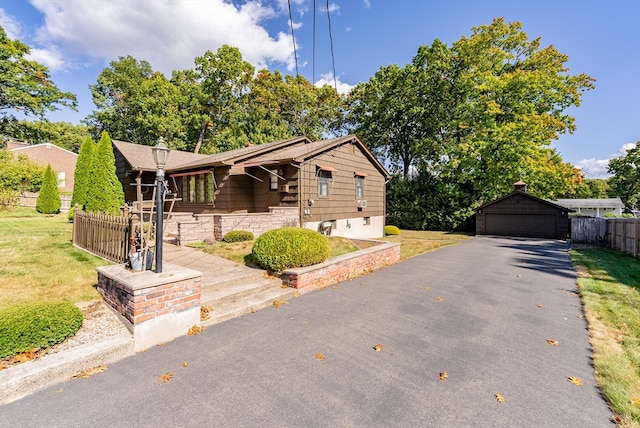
[(48, 200), (17, 174), (476, 116), (81, 177), (104, 191), (625, 181), (26, 85)]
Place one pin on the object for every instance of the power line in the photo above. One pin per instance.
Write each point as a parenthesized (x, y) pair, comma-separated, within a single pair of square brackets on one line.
[(333, 61), (293, 38)]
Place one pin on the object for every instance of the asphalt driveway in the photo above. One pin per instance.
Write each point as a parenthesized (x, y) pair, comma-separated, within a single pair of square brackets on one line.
[(481, 311)]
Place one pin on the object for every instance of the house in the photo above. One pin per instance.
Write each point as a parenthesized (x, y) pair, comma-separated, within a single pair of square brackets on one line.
[(62, 161), (523, 215), (593, 207), (335, 186)]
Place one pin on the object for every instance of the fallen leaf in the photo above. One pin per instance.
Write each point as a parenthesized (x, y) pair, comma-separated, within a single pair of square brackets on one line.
[(88, 372), (335, 287), (575, 380), (319, 357), (194, 330), (166, 377), (635, 402), (499, 398), (440, 299), (553, 342), (580, 316), (427, 288), (519, 276), (378, 347), (443, 376), (185, 364), (205, 312), (161, 344), (541, 305), (277, 303), (59, 391)]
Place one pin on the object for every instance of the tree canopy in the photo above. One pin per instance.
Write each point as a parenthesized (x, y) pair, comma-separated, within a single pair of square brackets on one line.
[(472, 118), (625, 181), (25, 85)]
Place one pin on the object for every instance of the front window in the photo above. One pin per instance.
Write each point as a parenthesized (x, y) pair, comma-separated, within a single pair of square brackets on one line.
[(359, 187), (197, 188), (323, 182)]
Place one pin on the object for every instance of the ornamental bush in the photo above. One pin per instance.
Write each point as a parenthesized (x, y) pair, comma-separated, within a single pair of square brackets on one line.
[(391, 230), (38, 325), (48, 201), (238, 236), (289, 247)]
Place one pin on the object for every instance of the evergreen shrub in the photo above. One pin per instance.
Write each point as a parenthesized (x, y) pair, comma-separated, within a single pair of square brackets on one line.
[(391, 230), (238, 236), (289, 247), (37, 325), (48, 201)]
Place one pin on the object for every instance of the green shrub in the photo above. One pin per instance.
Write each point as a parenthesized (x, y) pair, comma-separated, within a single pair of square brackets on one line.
[(391, 230), (48, 201), (38, 325), (289, 247), (238, 236)]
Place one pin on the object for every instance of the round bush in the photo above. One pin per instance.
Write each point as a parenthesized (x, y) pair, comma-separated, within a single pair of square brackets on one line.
[(238, 236), (391, 230), (38, 325), (289, 247)]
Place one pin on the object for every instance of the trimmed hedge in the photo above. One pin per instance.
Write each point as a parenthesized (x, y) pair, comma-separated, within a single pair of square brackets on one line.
[(289, 247), (391, 230), (38, 325), (238, 236)]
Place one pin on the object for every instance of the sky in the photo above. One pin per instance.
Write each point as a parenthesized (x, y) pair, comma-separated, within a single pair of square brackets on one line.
[(76, 40)]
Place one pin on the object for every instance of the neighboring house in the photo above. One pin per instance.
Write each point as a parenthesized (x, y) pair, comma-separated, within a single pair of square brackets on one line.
[(523, 215), (62, 161), (593, 207), (334, 186)]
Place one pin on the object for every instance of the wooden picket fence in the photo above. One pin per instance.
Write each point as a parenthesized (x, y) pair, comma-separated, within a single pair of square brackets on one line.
[(622, 234), (104, 235)]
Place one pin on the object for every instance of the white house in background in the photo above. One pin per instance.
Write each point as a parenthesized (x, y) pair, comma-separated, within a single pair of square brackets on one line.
[(593, 207)]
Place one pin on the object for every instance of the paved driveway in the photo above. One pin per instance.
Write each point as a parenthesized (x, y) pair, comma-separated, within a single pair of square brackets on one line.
[(481, 311)]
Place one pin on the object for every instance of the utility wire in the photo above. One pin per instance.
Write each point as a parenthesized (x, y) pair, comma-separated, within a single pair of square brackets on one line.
[(333, 61), (293, 38), (313, 59)]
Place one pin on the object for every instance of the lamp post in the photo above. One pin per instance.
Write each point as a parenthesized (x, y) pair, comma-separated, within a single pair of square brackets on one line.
[(160, 154)]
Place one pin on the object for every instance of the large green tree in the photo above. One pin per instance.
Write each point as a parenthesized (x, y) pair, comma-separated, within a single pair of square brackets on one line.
[(625, 181), (81, 178), (104, 190), (17, 174), (26, 85), (475, 117)]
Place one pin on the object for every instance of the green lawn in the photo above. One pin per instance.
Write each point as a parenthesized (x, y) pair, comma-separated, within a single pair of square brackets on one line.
[(40, 263), (609, 285)]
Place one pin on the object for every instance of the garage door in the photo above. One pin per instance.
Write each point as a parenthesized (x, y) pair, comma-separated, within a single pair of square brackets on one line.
[(525, 225)]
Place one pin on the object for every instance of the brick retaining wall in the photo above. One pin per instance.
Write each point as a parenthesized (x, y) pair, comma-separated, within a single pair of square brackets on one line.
[(341, 268)]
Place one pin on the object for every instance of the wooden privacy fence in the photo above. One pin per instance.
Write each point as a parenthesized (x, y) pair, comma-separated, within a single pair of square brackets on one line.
[(622, 234), (104, 235)]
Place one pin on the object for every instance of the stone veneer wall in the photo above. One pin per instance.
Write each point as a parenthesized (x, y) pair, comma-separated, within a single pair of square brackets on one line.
[(257, 223), (341, 268)]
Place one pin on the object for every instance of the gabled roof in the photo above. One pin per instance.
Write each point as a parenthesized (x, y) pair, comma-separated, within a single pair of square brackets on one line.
[(28, 147), (518, 192), (140, 158), (297, 149), (302, 153), (591, 203)]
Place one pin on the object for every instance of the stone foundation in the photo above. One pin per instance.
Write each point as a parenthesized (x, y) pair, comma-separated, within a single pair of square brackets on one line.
[(342, 268), (156, 308)]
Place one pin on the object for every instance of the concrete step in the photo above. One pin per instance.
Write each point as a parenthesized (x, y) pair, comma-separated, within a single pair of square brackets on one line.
[(237, 305), (237, 288), (231, 275)]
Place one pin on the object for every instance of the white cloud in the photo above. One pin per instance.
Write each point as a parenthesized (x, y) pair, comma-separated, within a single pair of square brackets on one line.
[(50, 58), (333, 8), (327, 79), (367, 4), (10, 25), (597, 168), (167, 33)]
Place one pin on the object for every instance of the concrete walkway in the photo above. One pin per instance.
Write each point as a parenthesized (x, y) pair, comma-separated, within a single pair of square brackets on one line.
[(481, 311)]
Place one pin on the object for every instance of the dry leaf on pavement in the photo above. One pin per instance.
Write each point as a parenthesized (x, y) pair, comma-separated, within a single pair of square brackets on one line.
[(499, 398), (553, 342), (378, 347), (443, 376), (166, 377), (575, 380), (319, 357)]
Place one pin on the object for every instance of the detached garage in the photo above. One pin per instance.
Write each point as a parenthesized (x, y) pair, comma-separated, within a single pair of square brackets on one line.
[(523, 215)]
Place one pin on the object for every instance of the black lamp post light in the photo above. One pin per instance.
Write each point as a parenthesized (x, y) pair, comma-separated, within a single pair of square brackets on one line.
[(160, 155)]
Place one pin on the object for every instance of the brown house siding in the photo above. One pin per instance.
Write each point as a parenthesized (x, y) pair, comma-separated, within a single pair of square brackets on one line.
[(61, 160)]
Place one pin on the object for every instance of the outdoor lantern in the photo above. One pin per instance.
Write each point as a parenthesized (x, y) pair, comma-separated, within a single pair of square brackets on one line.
[(160, 153)]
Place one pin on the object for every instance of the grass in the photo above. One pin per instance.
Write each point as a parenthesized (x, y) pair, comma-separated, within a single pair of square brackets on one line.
[(609, 284), (39, 263), (412, 243)]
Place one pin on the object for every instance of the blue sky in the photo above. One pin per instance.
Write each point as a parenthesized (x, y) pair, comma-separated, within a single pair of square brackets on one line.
[(77, 39)]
